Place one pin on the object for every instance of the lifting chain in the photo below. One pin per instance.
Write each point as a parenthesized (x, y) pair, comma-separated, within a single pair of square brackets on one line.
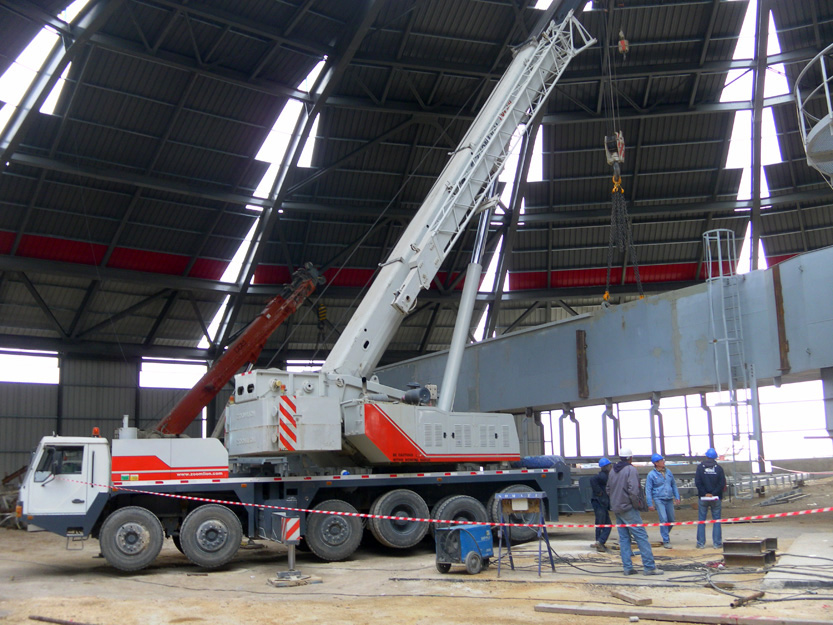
[(620, 235)]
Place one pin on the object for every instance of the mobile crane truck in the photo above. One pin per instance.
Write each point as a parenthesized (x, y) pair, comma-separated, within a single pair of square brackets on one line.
[(324, 446)]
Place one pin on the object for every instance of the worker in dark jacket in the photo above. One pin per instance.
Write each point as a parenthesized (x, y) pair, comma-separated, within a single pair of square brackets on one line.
[(710, 481), (624, 492), (601, 504)]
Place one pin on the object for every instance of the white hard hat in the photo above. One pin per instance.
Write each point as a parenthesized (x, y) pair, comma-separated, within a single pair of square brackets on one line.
[(625, 453)]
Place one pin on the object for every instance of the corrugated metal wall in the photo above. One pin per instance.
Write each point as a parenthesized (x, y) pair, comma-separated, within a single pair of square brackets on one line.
[(155, 403), (96, 393), (27, 412)]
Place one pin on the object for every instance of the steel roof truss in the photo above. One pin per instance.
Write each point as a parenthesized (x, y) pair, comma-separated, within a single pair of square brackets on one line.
[(160, 318), (426, 335), (111, 319), (510, 234), (522, 317), (42, 304), (81, 312)]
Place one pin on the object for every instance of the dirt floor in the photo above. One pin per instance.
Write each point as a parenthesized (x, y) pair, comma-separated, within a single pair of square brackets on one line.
[(39, 577)]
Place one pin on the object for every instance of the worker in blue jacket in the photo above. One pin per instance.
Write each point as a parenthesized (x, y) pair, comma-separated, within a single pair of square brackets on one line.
[(661, 494), (601, 504)]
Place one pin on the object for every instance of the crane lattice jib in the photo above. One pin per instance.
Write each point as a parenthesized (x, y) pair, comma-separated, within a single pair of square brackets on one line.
[(555, 48)]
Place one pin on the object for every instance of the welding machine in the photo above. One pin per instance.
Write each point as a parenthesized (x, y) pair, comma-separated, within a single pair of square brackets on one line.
[(470, 545)]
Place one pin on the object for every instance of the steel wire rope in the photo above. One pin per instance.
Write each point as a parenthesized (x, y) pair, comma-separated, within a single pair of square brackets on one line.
[(621, 227)]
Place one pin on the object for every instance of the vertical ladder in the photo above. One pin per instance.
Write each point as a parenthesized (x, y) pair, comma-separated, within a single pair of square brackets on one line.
[(730, 366)]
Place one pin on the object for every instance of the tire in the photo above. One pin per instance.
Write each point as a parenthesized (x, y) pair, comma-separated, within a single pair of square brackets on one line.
[(177, 543), (443, 567), (333, 537), (474, 563), (436, 507), (399, 534), (515, 534), (131, 538), (459, 508), (211, 536)]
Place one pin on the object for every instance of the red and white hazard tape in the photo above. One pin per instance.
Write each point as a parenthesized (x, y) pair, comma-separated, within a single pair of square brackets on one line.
[(756, 517), (421, 520)]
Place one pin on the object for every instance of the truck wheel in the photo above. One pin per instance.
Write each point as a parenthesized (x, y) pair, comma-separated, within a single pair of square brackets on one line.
[(131, 538), (333, 537), (515, 534), (177, 543), (399, 533), (459, 508), (210, 536)]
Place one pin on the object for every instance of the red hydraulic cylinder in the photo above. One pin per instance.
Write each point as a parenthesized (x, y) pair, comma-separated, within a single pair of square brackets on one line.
[(244, 350)]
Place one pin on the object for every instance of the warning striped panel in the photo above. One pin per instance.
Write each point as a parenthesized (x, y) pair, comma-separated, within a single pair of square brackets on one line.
[(287, 425), (290, 530)]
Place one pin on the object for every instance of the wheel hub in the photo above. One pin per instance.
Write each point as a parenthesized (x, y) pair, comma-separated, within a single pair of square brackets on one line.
[(132, 538), (400, 522), (212, 535), (336, 531)]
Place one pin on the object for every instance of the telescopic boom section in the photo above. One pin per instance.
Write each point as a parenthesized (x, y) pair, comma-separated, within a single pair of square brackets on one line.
[(246, 349), (461, 191)]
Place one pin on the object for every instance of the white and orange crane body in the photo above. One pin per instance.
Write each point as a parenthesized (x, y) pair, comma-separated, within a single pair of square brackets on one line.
[(330, 446)]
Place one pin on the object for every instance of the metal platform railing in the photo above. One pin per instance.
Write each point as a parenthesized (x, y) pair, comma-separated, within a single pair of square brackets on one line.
[(815, 113)]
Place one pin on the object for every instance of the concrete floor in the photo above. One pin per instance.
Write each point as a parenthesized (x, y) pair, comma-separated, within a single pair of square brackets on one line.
[(39, 577)]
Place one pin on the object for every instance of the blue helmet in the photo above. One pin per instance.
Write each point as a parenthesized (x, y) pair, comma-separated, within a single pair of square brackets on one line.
[(656, 458), (711, 453), (603, 463)]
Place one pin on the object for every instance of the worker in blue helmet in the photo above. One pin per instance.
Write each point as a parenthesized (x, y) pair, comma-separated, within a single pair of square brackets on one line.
[(661, 494), (710, 481), (601, 504)]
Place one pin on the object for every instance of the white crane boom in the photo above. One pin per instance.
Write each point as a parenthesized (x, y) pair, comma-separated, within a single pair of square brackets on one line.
[(457, 195)]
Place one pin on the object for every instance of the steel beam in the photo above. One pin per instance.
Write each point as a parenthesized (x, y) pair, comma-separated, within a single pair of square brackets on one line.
[(678, 206), (671, 110), (138, 180), (511, 229), (645, 346), (125, 313), (761, 36), (33, 291)]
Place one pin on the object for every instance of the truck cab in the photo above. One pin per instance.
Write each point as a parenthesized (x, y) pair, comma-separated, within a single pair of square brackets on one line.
[(67, 485)]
